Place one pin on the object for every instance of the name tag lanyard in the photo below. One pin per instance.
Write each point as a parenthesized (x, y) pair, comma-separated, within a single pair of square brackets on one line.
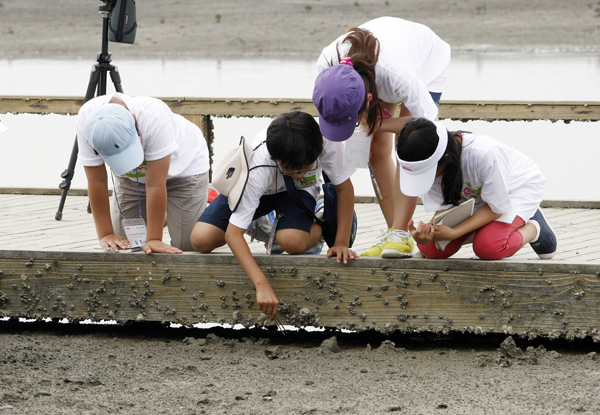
[(135, 229)]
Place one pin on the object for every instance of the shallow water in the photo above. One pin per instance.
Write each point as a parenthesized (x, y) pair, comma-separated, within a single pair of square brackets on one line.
[(36, 149)]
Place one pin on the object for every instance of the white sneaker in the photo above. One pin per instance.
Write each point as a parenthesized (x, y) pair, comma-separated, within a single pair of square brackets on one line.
[(260, 228), (376, 249), (399, 244)]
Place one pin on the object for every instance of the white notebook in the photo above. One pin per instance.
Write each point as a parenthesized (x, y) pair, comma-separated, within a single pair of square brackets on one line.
[(453, 217)]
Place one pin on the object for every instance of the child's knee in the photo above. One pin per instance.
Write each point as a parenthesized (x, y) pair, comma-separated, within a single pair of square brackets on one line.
[(200, 244), (293, 243), (202, 239), (488, 251)]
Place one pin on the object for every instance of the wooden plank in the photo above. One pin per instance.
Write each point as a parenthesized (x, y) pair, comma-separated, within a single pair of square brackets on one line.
[(41, 191), (271, 107), (519, 110), (40, 105), (549, 299)]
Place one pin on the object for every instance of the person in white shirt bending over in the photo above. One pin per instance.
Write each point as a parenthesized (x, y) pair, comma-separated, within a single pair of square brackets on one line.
[(447, 168), (373, 70), (160, 164)]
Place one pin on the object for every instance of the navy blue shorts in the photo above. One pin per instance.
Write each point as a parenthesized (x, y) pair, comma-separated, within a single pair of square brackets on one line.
[(294, 217), (436, 97)]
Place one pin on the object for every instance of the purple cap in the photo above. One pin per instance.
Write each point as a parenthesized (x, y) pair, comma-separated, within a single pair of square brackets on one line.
[(338, 95)]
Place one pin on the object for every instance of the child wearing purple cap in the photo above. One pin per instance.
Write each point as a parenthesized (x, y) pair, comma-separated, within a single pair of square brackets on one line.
[(368, 74), (448, 168), (160, 164)]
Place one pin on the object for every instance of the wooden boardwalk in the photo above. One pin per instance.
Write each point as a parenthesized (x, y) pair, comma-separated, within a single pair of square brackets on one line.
[(55, 269), (27, 223)]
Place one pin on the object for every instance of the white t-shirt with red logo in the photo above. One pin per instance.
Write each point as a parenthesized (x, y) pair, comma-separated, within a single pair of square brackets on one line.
[(496, 174)]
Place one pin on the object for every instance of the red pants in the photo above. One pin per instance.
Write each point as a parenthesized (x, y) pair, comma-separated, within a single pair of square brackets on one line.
[(496, 240)]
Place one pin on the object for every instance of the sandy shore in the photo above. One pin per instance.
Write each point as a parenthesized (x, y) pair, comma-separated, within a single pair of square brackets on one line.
[(142, 370)]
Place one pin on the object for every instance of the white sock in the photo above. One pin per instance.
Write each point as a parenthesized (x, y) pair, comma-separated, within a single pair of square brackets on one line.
[(538, 230)]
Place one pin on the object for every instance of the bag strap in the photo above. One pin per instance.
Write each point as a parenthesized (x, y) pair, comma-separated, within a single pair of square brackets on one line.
[(295, 197)]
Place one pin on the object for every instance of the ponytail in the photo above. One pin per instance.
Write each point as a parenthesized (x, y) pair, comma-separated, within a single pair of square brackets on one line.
[(363, 54), (452, 178)]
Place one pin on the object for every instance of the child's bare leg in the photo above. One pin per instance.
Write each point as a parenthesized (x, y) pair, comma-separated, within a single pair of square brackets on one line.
[(529, 232), (384, 169), (206, 237), (404, 206), (295, 241)]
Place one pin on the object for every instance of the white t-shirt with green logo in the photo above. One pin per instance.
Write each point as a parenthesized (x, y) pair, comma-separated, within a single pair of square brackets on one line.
[(162, 133), (265, 178)]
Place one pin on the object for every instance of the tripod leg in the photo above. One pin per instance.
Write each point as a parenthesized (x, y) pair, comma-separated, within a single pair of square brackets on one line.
[(116, 78), (97, 84), (69, 172), (67, 176)]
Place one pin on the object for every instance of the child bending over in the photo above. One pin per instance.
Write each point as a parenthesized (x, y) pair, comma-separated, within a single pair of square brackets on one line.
[(293, 147), (447, 168)]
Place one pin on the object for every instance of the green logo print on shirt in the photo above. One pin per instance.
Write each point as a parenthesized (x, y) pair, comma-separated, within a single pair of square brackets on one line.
[(141, 171)]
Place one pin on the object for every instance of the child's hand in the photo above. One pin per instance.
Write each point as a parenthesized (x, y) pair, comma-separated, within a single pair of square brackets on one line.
[(423, 233), (342, 253), (267, 300), (155, 246), (114, 242)]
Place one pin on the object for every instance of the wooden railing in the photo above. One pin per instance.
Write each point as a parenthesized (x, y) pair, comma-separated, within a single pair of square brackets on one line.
[(201, 110), (264, 107)]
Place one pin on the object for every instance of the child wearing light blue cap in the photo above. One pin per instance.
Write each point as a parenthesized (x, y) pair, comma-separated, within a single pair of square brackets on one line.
[(159, 163)]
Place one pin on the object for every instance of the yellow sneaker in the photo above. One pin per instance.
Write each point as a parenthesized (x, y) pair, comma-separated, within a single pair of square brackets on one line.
[(399, 244), (376, 249)]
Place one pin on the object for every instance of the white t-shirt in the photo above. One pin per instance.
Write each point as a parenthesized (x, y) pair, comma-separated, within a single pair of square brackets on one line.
[(496, 174), (413, 61), (266, 179), (162, 132)]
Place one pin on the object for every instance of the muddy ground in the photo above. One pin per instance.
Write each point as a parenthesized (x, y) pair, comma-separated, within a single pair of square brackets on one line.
[(141, 369), (149, 369), (61, 29)]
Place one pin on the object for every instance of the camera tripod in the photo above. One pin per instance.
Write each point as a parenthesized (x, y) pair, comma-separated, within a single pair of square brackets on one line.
[(96, 85)]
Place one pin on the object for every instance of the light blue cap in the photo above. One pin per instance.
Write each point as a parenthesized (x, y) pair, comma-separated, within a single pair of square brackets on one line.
[(111, 131)]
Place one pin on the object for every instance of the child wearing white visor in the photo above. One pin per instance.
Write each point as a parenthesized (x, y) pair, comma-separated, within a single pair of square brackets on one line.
[(448, 168)]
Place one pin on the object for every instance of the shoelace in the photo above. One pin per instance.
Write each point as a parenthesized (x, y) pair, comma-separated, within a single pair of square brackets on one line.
[(398, 235), (381, 238)]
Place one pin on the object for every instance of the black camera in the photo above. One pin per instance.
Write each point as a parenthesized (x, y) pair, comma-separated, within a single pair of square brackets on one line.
[(123, 24)]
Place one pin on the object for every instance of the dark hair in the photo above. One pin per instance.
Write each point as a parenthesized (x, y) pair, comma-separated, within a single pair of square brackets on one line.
[(364, 54), (294, 139), (418, 140)]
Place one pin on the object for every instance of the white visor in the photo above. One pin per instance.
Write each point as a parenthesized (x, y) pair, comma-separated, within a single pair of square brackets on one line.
[(417, 177)]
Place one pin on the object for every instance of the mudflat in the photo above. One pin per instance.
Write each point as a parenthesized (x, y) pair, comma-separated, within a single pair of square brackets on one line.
[(282, 29)]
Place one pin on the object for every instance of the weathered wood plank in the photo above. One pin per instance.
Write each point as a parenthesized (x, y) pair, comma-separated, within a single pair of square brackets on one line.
[(511, 111), (41, 191), (270, 107), (528, 299)]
